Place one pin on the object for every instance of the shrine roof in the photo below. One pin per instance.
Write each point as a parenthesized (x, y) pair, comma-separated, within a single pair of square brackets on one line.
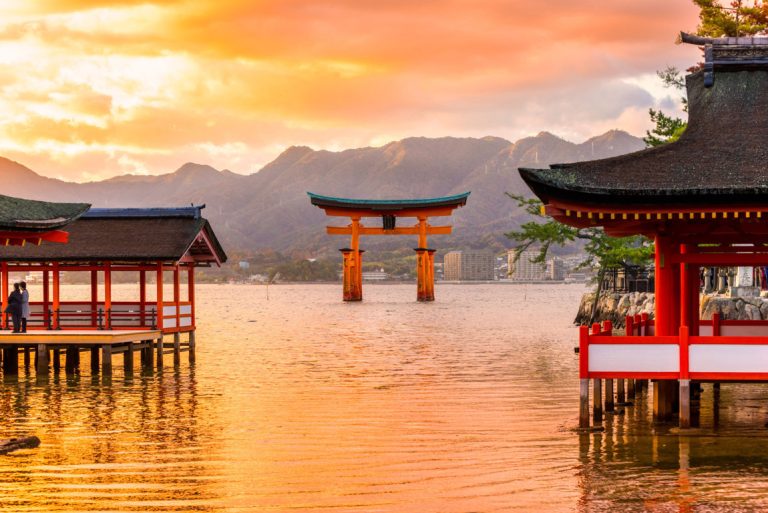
[(720, 158), (37, 216), (454, 201), (130, 236)]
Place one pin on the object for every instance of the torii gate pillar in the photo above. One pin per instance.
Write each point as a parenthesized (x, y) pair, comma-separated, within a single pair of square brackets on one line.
[(425, 274), (352, 274)]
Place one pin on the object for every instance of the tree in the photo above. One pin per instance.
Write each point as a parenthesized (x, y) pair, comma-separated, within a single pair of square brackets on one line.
[(737, 19), (602, 251), (715, 20), (667, 128)]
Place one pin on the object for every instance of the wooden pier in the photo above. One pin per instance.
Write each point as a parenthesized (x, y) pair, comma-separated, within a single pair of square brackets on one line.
[(48, 347)]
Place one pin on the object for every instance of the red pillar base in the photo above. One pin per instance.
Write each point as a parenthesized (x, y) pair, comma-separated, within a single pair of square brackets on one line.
[(425, 274), (352, 274)]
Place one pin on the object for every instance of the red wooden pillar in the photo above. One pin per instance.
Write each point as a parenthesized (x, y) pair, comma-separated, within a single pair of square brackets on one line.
[(108, 294), (160, 295), (177, 295), (425, 284), (191, 292), (56, 296), (667, 314), (352, 288), (667, 288), (142, 297), (46, 298), (94, 298), (6, 292)]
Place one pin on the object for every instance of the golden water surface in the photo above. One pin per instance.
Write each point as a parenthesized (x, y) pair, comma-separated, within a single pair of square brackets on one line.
[(300, 402)]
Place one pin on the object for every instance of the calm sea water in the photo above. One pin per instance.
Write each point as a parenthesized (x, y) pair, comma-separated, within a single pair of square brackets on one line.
[(300, 402)]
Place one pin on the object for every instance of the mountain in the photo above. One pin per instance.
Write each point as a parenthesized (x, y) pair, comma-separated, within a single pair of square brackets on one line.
[(270, 209)]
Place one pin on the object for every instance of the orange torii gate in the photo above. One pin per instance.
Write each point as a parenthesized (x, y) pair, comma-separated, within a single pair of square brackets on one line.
[(389, 211)]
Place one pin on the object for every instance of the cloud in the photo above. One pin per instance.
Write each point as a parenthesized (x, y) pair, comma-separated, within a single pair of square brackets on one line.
[(97, 88)]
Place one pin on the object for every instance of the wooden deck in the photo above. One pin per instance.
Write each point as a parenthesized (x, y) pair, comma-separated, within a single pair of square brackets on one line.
[(78, 337), (101, 345)]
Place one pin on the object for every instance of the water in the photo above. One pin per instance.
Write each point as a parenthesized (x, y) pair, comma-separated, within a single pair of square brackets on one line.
[(304, 403)]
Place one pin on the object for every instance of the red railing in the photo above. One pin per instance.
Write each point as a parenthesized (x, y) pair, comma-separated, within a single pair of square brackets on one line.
[(124, 315), (682, 356)]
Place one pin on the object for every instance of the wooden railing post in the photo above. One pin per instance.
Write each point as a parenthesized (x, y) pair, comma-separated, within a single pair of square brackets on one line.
[(716, 324), (629, 327), (583, 352)]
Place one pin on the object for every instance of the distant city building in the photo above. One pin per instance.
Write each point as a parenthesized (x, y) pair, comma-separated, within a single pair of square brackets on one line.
[(524, 269), (244, 264), (555, 269), (468, 265), (375, 275)]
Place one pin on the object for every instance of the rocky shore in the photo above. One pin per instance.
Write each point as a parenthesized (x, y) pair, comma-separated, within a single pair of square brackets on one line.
[(615, 307)]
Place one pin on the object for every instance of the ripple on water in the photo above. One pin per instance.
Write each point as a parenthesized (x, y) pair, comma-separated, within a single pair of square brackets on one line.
[(302, 402)]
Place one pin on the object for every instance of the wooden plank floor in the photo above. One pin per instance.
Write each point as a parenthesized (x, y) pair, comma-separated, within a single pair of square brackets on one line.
[(77, 337)]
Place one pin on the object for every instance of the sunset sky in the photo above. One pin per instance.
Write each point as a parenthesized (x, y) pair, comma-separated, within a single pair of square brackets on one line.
[(93, 89)]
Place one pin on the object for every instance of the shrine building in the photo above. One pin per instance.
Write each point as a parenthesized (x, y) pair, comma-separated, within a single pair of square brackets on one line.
[(160, 247), (703, 200)]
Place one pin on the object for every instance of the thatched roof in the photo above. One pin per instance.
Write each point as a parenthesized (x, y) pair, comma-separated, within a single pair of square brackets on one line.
[(33, 216), (721, 157), (130, 236)]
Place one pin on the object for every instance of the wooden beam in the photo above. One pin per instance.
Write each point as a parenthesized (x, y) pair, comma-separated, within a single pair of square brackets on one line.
[(406, 230), (427, 212)]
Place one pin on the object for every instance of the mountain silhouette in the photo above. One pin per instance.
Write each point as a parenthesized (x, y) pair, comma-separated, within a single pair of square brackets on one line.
[(269, 209)]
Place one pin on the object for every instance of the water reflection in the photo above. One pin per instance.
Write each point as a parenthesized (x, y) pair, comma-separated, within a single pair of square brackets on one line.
[(636, 465), (132, 444), (302, 403)]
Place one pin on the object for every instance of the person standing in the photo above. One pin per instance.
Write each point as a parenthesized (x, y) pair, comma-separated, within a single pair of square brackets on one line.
[(24, 306), (14, 307)]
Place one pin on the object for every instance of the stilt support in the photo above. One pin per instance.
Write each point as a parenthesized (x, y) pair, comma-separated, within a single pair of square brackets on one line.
[(71, 359), (597, 401), (42, 359), (176, 349), (128, 359), (609, 396), (584, 403), (685, 403), (620, 397), (159, 352), (630, 390), (106, 359), (192, 346), (94, 360), (663, 400), (11, 360)]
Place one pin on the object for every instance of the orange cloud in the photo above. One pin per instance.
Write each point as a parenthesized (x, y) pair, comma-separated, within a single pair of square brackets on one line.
[(98, 87)]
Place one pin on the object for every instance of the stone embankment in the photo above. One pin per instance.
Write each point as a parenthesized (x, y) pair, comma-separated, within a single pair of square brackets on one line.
[(615, 307)]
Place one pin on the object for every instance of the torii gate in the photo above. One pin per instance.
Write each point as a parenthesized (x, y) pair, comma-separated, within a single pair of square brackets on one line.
[(389, 211)]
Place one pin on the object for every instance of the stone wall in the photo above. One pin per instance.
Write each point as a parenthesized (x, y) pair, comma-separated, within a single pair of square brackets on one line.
[(615, 307)]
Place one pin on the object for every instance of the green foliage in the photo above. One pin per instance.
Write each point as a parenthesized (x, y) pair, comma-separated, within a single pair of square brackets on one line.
[(667, 129), (733, 20), (306, 270), (602, 251)]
